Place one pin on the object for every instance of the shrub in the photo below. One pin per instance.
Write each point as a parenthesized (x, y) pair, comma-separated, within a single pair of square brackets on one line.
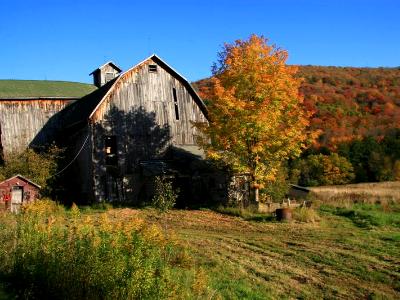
[(51, 253), (164, 195)]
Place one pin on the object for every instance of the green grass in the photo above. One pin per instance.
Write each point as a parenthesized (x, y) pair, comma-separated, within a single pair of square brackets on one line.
[(43, 88), (368, 215)]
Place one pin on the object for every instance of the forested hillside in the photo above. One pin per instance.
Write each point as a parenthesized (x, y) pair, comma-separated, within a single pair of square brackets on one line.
[(357, 112), (348, 103), (351, 103)]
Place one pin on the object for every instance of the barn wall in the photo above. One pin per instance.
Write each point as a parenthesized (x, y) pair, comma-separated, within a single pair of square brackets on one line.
[(27, 122), (140, 113)]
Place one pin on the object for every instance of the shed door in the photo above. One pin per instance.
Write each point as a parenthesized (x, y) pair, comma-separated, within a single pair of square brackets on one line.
[(16, 194)]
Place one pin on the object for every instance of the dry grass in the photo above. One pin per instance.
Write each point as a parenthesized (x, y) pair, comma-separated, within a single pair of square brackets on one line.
[(380, 192)]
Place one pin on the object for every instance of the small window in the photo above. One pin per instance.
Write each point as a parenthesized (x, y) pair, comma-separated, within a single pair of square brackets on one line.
[(109, 76), (110, 149), (152, 68), (176, 104)]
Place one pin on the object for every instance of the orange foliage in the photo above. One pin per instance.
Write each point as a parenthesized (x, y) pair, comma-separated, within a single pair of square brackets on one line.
[(346, 103)]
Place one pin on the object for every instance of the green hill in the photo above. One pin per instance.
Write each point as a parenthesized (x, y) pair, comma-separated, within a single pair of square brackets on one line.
[(43, 88)]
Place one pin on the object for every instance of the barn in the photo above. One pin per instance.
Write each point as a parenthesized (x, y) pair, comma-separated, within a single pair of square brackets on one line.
[(137, 125), (134, 126)]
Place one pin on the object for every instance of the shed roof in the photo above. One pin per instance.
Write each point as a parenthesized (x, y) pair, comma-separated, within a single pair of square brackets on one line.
[(300, 188), (38, 89), (23, 178)]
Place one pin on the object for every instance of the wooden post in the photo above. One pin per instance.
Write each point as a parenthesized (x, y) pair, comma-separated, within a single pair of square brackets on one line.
[(256, 197), (256, 187)]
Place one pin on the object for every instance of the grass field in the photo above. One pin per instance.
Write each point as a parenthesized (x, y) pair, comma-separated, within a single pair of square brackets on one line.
[(333, 258), (361, 192), (350, 252), (43, 88)]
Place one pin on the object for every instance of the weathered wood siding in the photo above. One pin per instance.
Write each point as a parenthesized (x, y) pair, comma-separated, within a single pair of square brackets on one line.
[(153, 91), (140, 112), (24, 122)]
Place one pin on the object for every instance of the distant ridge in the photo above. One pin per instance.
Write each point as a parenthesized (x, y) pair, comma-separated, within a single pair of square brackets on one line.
[(14, 89)]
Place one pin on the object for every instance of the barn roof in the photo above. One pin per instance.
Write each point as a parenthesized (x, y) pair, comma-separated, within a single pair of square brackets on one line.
[(84, 109), (81, 109), (23, 178), (43, 89)]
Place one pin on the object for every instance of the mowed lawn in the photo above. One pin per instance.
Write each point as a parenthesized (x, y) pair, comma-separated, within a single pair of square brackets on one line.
[(332, 258)]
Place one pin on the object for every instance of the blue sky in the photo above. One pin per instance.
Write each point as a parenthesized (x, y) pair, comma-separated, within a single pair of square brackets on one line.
[(66, 40)]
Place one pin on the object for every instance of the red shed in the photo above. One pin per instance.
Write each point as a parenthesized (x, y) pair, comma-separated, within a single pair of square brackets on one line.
[(17, 190)]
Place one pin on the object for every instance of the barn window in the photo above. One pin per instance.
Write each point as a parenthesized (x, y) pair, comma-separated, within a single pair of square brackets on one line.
[(109, 76), (176, 104), (152, 68), (110, 143)]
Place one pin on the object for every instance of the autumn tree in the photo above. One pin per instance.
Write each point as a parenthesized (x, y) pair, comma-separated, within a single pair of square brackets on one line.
[(257, 119)]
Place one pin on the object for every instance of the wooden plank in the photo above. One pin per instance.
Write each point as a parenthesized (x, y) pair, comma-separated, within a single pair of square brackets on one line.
[(23, 122)]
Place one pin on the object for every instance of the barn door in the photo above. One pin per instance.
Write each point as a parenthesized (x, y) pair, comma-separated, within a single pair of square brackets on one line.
[(16, 198)]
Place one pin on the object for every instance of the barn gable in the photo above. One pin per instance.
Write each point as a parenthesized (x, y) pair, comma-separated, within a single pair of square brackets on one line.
[(152, 63), (156, 88)]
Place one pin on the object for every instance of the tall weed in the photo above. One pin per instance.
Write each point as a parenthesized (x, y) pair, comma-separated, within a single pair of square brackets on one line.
[(51, 253)]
